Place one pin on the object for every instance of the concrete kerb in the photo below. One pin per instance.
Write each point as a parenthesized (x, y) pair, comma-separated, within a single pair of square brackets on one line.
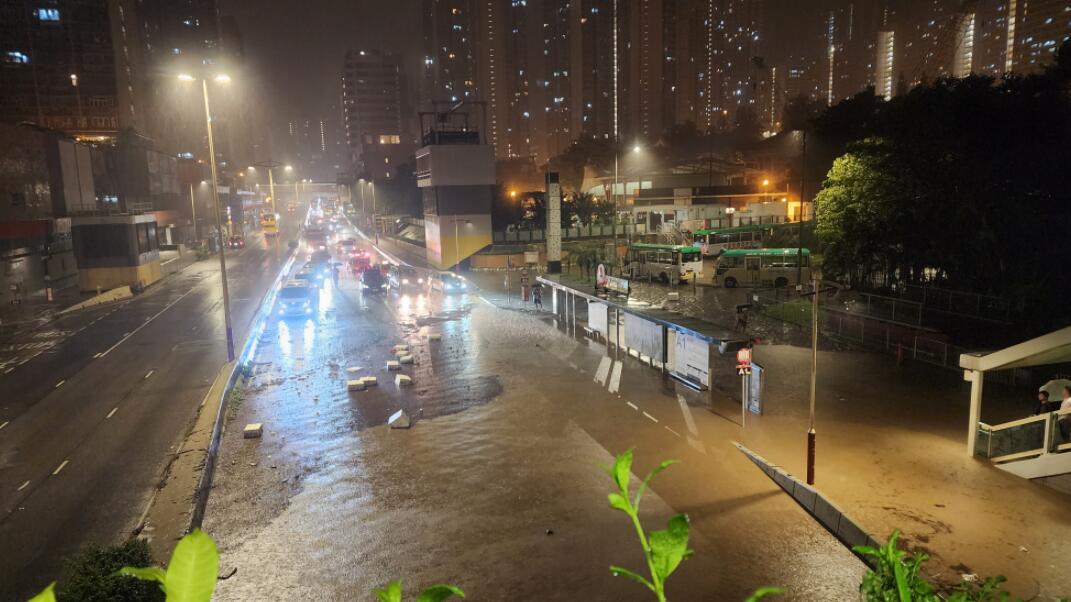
[(839, 524), (204, 485)]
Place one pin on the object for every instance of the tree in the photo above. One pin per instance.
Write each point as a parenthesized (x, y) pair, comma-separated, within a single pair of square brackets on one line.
[(747, 126)]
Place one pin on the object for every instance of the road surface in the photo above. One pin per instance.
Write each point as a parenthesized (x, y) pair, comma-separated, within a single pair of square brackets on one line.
[(94, 405)]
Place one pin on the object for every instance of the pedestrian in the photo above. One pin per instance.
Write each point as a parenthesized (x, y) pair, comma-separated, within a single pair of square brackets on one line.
[(1065, 420), (537, 296), (1044, 405), (741, 317)]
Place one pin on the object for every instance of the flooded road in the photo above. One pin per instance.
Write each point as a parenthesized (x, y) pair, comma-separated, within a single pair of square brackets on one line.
[(497, 486)]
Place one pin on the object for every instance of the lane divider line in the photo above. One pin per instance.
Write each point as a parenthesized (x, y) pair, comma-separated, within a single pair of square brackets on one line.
[(9, 371), (672, 431), (111, 413), (149, 373), (653, 419), (23, 486), (147, 322), (6, 422), (59, 384), (60, 467), (633, 406)]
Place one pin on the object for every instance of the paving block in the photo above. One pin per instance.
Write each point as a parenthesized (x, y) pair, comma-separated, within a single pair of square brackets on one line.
[(401, 347), (435, 337), (253, 430), (355, 385), (399, 420), (401, 353), (402, 380), (393, 365), (370, 381), (405, 359), (353, 369)]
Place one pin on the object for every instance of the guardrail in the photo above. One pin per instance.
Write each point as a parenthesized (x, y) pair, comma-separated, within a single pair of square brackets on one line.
[(581, 232), (1023, 438), (986, 307)]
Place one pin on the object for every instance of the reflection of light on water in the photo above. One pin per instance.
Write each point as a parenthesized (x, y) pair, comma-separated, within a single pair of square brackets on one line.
[(308, 336), (284, 339), (327, 296)]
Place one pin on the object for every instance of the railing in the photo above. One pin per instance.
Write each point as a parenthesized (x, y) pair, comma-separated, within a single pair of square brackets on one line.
[(986, 307), (581, 232), (1024, 438)]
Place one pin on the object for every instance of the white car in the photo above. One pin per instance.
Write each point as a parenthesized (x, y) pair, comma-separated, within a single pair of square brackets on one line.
[(448, 283)]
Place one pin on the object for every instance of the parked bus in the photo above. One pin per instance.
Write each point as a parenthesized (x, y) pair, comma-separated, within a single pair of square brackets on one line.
[(761, 267), (714, 240), (269, 225), (669, 264)]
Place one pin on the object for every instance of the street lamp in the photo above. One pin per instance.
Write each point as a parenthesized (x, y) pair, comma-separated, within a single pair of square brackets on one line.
[(270, 165), (219, 213)]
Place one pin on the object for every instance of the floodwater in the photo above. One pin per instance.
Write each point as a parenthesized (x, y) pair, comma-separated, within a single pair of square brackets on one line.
[(496, 487)]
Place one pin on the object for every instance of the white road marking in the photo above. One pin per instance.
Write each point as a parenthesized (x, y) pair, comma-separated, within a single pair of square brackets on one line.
[(60, 467), (163, 263), (486, 301), (157, 315), (23, 486), (672, 431), (633, 406), (615, 377), (688, 420), (603, 371), (59, 384), (6, 422), (147, 375), (651, 417), (96, 355), (111, 413), (9, 371)]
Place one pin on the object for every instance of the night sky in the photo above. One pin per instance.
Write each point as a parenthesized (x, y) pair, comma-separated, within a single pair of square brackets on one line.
[(294, 48)]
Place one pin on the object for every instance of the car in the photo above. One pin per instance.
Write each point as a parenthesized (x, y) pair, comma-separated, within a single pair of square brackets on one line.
[(236, 242), (448, 283), (360, 262), (315, 275), (373, 281), (296, 298), (347, 246), (403, 278), (320, 257)]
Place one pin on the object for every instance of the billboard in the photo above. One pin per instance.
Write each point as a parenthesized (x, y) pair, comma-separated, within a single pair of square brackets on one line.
[(691, 359), (644, 336)]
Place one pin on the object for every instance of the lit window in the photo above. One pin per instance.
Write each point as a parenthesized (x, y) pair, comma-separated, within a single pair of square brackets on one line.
[(48, 14), (390, 139), (13, 56)]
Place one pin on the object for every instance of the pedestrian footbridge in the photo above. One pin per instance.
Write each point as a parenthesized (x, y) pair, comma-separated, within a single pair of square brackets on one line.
[(1032, 447)]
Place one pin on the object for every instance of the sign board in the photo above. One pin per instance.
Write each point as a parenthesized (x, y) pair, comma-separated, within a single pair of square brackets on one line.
[(620, 285), (531, 256), (743, 361), (644, 336), (600, 276), (691, 359), (754, 390), (597, 317)]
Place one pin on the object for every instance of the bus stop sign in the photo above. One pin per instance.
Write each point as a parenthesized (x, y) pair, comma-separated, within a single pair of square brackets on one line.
[(743, 360)]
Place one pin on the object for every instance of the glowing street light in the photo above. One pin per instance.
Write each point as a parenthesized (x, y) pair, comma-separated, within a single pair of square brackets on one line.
[(186, 77), (222, 78), (636, 148)]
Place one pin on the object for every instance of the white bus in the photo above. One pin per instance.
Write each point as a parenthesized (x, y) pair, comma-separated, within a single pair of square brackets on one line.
[(668, 264)]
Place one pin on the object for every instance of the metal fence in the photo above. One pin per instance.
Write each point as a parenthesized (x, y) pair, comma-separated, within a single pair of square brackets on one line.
[(986, 307)]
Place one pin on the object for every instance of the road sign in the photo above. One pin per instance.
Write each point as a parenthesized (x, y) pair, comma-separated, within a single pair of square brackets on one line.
[(600, 276)]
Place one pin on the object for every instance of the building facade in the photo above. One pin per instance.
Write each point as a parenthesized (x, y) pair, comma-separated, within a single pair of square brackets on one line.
[(375, 113)]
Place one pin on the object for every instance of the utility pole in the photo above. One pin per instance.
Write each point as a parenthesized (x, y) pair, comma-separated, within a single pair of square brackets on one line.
[(814, 382), (219, 227), (803, 189), (193, 210)]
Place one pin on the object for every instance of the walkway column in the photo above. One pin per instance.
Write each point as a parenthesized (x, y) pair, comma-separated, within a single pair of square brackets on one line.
[(976, 378)]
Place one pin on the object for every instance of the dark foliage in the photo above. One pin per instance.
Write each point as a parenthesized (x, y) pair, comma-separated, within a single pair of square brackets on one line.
[(89, 576)]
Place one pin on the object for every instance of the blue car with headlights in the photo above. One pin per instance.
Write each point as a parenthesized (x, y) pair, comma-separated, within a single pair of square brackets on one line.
[(448, 283), (297, 299)]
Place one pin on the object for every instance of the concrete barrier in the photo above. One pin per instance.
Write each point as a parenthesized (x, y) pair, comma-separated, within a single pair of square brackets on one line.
[(839, 524), (111, 296)]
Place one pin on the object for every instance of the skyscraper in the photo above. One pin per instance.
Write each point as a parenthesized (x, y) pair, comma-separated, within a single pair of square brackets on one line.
[(450, 28), (375, 113)]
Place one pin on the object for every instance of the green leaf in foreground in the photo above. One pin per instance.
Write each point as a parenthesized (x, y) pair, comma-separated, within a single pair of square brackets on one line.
[(151, 573), (669, 547), (762, 592), (47, 595), (436, 593), (191, 574), (391, 592)]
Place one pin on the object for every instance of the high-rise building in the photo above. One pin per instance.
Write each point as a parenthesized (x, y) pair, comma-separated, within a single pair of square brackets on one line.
[(75, 66), (375, 113), (450, 28)]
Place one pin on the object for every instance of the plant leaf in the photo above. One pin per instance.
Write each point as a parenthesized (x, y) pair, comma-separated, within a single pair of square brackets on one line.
[(669, 547), (47, 595), (391, 592), (150, 573), (436, 593), (191, 575), (622, 470), (762, 592), (643, 486), (617, 571), (620, 502)]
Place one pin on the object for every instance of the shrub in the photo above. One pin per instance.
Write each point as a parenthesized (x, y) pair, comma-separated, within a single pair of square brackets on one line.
[(90, 575)]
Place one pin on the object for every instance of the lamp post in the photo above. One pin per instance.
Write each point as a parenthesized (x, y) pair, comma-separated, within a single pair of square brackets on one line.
[(219, 212), (375, 222), (193, 211), (803, 192)]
